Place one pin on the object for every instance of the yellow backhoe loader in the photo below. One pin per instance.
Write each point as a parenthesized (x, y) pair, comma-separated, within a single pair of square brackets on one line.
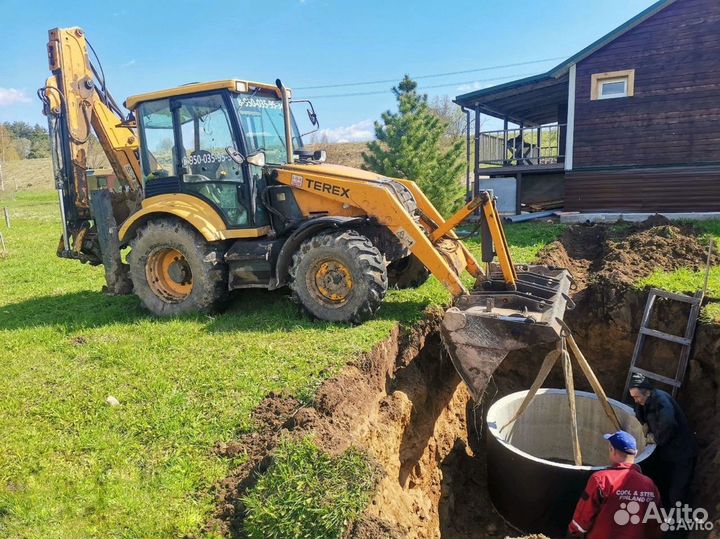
[(211, 189)]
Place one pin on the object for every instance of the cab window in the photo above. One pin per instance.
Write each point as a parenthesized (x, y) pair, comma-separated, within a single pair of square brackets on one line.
[(263, 124), (158, 159), (207, 169), (206, 135)]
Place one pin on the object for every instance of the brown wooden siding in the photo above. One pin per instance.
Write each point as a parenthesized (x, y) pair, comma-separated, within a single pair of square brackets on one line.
[(674, 116), (688, 189)]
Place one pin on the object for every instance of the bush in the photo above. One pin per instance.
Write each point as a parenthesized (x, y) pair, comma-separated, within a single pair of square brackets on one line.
[(308, 494)]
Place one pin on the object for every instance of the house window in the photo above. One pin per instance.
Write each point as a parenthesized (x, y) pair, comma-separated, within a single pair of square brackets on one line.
[(613, 84)]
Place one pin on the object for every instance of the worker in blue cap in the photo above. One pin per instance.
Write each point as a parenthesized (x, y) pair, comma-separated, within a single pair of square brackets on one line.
[(615, 499), (668, 427)]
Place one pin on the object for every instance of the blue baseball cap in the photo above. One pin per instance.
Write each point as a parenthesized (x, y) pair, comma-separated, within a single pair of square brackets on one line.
[(622, 441)]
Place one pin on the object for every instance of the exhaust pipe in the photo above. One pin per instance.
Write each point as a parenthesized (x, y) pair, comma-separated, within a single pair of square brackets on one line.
[(288, 125)]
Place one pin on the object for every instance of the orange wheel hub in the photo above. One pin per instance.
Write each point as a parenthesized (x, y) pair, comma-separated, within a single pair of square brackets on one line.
[(333, 281), (169, 275)]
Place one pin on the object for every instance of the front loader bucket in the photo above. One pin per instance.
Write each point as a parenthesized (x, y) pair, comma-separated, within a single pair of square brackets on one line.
[(483, 326)]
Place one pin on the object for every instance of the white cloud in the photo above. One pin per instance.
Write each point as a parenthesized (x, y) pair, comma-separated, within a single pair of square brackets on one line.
[(11, 96), (358, 132), (477, 85), (129, 63)]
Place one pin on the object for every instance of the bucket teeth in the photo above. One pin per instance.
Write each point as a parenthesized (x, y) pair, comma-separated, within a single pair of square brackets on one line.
[(485, 325)]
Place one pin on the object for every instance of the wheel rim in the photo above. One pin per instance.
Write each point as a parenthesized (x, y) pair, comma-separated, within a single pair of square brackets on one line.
[(333, 281), (169, 275)]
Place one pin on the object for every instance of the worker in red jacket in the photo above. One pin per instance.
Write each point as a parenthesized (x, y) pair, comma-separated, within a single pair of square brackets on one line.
[(615, 500)]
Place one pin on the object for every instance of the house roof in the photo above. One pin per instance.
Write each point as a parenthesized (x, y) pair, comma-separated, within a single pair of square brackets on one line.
[(562, 69)]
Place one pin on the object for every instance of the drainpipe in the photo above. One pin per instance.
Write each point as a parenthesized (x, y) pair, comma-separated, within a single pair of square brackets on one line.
[(288, 125)]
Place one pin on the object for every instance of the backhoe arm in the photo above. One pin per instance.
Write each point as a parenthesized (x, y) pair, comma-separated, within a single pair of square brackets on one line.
[(77, 103)]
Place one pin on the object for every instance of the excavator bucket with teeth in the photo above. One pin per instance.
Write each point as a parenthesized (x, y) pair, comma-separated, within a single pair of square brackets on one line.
[(485, 325)]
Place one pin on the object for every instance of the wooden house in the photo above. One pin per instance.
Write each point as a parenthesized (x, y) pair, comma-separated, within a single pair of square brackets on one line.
[(629, 124)]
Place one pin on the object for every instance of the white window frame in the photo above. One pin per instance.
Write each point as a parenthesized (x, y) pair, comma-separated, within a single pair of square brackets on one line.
[(599, 80), (604, 82)]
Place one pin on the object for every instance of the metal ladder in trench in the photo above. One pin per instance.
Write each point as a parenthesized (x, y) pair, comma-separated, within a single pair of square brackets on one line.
[(685, 341)]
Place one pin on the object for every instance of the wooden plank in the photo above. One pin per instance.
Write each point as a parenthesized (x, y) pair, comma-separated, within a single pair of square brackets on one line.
[(547, 365), (570, 387), (594, 383), (570, 129)]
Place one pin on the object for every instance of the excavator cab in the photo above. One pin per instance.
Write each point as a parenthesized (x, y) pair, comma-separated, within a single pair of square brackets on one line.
[(212, 145)]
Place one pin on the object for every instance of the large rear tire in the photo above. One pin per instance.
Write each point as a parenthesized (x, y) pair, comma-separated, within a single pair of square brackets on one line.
[(175, 271), (339, 276)]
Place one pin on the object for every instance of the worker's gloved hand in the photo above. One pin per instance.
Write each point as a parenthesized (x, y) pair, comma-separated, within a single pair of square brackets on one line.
[(649, 438)]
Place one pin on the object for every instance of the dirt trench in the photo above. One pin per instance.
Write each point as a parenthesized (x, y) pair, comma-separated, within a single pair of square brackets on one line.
[(406, 407)]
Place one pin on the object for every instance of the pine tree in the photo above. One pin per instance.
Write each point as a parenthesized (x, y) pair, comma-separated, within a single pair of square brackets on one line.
[(412, 143)]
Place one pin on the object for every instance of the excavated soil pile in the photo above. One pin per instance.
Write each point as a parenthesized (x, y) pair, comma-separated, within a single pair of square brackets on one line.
[(625, 253), (405, 406)]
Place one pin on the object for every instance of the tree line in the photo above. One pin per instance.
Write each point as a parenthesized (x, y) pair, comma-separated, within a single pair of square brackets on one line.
[(20, 140)]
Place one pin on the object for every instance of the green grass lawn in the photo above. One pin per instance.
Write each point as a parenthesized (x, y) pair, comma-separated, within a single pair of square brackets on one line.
[(71, 466)]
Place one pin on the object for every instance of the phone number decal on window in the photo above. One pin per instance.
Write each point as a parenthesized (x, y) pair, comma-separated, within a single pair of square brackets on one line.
[(255, 103), (204, 159)]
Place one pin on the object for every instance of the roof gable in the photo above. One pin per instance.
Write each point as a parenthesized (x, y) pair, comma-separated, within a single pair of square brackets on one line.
[(563, 68)]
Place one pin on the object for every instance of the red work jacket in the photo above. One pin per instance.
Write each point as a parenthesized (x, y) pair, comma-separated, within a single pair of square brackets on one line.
[(614, 503)]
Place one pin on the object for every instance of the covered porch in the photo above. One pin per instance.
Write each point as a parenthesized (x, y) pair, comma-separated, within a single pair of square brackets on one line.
[(523, 155)]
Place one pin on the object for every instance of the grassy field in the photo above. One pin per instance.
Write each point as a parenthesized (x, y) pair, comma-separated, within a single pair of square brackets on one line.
[(73, 466), (28, 174)]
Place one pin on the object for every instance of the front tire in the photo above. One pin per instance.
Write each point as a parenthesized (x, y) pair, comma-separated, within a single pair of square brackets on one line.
[(175, 271), (339, 276)]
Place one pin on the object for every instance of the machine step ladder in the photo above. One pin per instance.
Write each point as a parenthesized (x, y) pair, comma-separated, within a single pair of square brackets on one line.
[(685, 341)]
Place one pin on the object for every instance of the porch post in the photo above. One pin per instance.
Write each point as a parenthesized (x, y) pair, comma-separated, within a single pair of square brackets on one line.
[(505, 141), (468, 195), (518, 193), (570, 136), (477, 147)]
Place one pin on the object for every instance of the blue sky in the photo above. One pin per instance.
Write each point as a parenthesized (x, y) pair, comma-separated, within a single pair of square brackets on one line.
[(152, 45)]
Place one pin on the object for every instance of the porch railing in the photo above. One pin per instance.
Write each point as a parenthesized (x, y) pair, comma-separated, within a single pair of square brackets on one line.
[(522, 147)]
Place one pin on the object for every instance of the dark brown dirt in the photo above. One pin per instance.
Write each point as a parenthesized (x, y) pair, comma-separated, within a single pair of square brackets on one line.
[(623, 254), (374, 528)]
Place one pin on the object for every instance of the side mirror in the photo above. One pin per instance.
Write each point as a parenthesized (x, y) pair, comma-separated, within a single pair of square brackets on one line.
[(257, 158), (312, 116)]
